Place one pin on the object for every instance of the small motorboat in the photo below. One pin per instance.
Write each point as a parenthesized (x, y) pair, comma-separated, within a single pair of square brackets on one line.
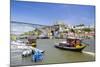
[(26, 53), (30, 51), (37, 55), (66, 45)]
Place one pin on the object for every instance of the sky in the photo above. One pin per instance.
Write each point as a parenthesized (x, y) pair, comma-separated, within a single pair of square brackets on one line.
[(49, 13)]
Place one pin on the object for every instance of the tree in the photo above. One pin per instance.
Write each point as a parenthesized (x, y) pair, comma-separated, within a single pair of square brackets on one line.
[(80, 25), (87, 30), (72, 30), (13, 37)]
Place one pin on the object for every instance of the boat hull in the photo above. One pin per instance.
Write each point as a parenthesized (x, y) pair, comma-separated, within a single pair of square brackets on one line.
[(71, 48)]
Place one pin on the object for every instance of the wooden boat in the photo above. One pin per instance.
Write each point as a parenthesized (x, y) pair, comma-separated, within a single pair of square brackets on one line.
[(32, 41), (71, 48), (65, 45)]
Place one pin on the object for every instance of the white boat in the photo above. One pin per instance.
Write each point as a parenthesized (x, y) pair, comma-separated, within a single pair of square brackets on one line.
[(26, 53), (30, 50)]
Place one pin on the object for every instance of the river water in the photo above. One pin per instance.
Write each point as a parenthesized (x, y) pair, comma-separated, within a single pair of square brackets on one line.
[(54, 55)]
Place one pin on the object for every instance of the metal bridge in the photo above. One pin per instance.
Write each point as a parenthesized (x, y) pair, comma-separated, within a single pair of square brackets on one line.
[(33, 25)]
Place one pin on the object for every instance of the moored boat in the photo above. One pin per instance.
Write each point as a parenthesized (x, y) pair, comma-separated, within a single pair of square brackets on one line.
[(71, 48), (30, 50), (71, 44)]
